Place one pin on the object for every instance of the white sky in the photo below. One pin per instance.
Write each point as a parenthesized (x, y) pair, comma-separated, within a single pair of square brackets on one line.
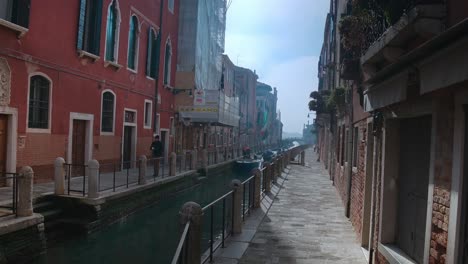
[(281, 40)]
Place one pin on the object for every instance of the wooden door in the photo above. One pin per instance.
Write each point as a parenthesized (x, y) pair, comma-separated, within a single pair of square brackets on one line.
[(3, 141), (127, 147), (78, 147)]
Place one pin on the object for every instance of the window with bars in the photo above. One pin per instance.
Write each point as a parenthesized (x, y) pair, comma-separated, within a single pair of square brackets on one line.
[(107, 116), (111, 33), (39, 92), (148, 109), (167, 64), (152, 57), (133, 43), (89, 26), (15, 11)]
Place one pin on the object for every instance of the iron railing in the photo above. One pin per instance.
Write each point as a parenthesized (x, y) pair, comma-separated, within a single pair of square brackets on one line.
[(116, 175), (249, 191), (10, 180), (76, 173), (157, 168), (181, 254)]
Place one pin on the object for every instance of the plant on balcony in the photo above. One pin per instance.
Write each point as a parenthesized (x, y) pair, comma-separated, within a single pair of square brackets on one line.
[(319, 102), (337, 99)]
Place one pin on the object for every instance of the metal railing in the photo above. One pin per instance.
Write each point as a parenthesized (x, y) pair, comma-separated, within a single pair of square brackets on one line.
[(157, 168), (10, 180), (76, 173), (182, 248), (248, 184), (217, 229), (116, 175)]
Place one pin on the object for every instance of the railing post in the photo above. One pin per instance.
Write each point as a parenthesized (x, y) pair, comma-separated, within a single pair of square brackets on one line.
[(194, 157), (303, 158), (93, 187), (142, 170), (173, 164), (237, 195), (193, 213), (204, 159), (25, 192), (59, 176), (267, 178), (258, 188)]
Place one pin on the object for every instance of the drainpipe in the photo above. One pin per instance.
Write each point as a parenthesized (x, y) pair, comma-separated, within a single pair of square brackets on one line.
[(156, 80), (349, 152)]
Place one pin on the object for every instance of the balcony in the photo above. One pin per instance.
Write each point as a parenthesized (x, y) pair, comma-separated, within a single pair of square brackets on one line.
[(385, 45)]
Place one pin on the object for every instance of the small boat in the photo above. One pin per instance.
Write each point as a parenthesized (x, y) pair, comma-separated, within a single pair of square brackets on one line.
[(247, 165)]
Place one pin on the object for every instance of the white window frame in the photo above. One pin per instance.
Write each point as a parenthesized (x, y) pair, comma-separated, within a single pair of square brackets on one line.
[(150, 113), (103, 133), (39, 130), (168, 42), (117, 33), (137, 43), (158, 125), (170, 6)]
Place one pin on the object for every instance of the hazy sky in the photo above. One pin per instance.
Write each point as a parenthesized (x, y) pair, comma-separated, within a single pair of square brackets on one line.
[(281, 40)]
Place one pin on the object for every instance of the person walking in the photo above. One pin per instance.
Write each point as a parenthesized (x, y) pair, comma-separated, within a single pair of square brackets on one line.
[(157, 151)]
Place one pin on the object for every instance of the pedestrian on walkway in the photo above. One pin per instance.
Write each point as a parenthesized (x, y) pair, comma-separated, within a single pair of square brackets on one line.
[(157, 151)]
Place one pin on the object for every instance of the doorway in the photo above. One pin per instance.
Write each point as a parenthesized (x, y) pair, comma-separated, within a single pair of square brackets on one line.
[(128, 146), (367, 225), (463, 245), (3, 142), (78, 147), (165, 143)]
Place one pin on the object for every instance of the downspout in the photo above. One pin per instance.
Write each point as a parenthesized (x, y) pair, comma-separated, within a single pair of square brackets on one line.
[(156, 81), (349, 152)]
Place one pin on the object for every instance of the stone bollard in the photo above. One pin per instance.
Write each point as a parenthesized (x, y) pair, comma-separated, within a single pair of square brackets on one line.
[(258, 188), (237, 194), (193, 213), (194, 161), (204, 159), (25, 192), (142, 170), (59, 176), (267, 177), (172, 164), (303, 158), (93, 172)]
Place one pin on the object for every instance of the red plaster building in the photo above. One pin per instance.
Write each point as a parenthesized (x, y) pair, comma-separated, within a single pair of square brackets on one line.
[(80, 82)]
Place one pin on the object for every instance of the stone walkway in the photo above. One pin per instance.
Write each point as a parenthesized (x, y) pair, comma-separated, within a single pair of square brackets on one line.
[(306, 223)]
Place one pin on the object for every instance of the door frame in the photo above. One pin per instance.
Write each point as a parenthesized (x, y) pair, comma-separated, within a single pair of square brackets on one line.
[(457, 192), (134, 138), (12, 137), (367, 223), (89, 118)]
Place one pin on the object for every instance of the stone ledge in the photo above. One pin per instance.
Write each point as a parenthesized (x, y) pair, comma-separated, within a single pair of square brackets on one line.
[(394, 254), (13, 224)]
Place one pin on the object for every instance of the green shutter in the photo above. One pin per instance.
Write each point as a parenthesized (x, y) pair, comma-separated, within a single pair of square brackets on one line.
[(148, 53), (20, 12), (111, 28), (81, 25), (96, 28), (156, 56), (132, 42)]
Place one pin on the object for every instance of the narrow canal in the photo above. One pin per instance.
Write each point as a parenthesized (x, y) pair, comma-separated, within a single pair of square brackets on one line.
[(147, 236)]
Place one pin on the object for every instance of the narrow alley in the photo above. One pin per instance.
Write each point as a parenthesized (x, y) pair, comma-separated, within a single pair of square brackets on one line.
[(306, 223)]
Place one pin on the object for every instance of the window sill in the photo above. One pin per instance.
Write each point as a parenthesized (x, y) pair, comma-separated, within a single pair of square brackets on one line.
[(38, 130), (394, 255), (112, 64), (132, 70), (150, 78), (21, 31), (85, 54), (167, 86), (107, 133), (147, 127)]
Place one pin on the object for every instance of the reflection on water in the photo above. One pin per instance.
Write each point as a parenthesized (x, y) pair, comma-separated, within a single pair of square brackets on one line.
[(148, 236)]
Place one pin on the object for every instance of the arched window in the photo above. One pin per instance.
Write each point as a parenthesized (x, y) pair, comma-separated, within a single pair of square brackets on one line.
[(152, 59), (167, 63), (133, 43), (108, 109), (39, 105), (112, 32)]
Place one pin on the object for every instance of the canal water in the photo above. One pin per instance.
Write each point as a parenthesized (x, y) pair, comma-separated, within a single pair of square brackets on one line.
[(147, 236)]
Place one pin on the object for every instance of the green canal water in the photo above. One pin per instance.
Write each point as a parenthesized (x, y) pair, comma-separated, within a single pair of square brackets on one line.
[(147, 236)]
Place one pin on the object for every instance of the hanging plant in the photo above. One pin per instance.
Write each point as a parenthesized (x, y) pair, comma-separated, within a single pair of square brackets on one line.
[(337, 99)]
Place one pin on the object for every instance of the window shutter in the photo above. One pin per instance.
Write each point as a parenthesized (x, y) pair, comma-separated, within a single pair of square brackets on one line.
[(97, 28), (156, 56), (81, 25), (20, 12), (148, 55)]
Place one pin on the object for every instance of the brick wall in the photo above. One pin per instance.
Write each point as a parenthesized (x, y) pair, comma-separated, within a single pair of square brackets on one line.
[(358, 180)]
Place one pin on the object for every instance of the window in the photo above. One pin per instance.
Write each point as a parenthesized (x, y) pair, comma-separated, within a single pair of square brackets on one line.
[(15, 11), (170, 5), (342, 151), (112, 32), (108, 109), (89, 26), (355, 146), (152, 56), (133, 43), (167, 63), (158, 124), (39, 96), (148, 113)]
